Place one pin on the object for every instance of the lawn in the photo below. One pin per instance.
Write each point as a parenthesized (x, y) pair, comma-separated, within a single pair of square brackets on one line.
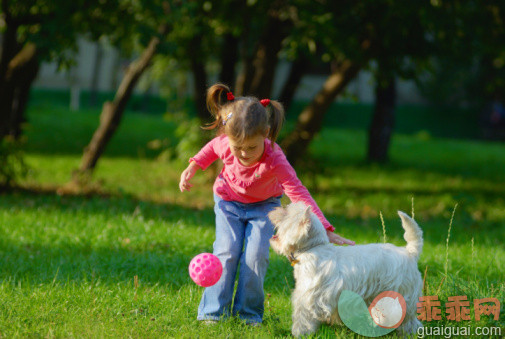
[(113, 263)]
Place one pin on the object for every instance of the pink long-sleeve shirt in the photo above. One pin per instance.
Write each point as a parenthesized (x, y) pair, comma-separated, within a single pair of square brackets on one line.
[(271, 176)]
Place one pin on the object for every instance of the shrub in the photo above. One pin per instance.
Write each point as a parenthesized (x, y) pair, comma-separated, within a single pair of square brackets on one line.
[(12, 164)]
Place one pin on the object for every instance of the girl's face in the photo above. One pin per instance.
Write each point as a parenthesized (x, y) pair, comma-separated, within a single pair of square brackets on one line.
[(249, 151)]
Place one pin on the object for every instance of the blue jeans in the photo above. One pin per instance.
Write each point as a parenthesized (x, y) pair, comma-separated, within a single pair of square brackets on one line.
[(243, 232)]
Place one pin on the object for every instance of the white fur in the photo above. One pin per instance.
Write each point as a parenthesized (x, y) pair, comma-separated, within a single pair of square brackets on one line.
[(323, 270), (387, 312)]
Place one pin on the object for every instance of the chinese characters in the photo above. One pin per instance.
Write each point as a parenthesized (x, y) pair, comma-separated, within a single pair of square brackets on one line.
[(457, 308)]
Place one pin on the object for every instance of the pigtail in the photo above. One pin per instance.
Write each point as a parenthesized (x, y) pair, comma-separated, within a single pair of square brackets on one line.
[(214, 104), (276, 120)]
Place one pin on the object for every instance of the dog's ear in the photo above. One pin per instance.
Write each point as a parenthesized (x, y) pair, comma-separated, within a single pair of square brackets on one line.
[(306, 221), (277, 215), (306, 213)]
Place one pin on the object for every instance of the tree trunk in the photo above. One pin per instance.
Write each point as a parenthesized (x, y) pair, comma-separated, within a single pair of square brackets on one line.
[(382, 125), (199, 80), (229, 58), (241, 85), (245, 55), (23, 70), (10, 48), (298, 69), (259, 71), (112, 112), (16, 82), (310, 120)]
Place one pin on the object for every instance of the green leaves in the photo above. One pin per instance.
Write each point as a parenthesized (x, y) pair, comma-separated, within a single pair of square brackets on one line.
[(12, 164)]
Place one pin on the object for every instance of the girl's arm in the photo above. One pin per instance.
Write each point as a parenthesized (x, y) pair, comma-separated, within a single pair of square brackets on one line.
[(187, 174), (296, 191), (201, 160)]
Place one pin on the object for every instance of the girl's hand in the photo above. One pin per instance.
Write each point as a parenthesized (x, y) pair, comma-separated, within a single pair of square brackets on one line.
[(187, 174), (337, 239)]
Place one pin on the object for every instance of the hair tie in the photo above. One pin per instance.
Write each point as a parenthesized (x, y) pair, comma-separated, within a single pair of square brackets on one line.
[(265, 102), (230, 96)]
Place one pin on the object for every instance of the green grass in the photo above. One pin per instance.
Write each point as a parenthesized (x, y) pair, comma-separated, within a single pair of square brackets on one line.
[(69, 261)]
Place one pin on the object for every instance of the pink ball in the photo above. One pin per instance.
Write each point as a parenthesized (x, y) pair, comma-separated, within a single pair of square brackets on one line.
[(205, 269)]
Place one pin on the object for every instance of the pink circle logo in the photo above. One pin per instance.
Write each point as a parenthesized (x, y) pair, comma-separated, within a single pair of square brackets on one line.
[(388, 309)]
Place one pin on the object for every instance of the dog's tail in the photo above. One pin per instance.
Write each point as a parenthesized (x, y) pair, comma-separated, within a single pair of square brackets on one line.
[(413, 235)]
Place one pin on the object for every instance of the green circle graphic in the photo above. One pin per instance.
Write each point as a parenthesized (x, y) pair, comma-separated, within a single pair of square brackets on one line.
[(355, 315)]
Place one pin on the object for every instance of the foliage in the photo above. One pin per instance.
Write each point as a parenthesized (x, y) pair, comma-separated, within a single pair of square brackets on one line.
[(12, 165), (190, 138), (54, 25), (468, 66), (199, 28), (361, 31), (171, 77)]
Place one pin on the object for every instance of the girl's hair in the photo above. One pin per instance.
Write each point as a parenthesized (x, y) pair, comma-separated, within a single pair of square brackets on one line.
[(243, 117)]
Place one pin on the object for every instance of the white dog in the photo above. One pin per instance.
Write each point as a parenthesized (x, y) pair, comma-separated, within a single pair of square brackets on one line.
[(322, 270)]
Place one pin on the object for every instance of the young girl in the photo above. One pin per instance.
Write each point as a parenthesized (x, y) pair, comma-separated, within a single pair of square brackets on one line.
[(254, 177)]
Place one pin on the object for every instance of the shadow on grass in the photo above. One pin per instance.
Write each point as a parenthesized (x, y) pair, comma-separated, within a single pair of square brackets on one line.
[(156, 264), (113, 205), (487, 193), (97, 202), (33, 264), (154, 261)]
